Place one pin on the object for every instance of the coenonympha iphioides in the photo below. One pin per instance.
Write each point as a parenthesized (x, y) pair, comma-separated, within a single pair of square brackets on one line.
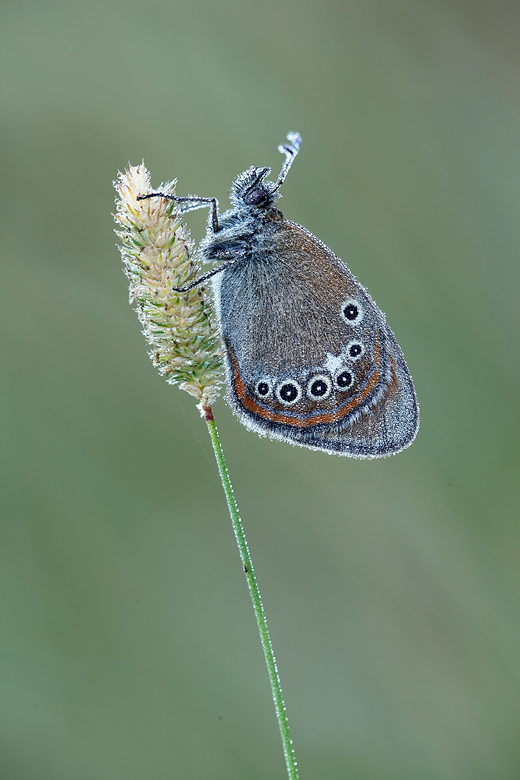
[(309, 356)]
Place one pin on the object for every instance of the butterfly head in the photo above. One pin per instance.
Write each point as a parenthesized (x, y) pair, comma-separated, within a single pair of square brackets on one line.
[(250, 190)]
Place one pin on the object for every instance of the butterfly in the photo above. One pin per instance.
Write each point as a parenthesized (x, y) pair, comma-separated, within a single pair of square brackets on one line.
[(309, 356)]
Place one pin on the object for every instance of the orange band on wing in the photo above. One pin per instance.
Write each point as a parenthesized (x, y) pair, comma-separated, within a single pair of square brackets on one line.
[(252, 406)]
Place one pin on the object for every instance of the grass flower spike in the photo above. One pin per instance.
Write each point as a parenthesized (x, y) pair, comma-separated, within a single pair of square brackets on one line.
[(158, 255)]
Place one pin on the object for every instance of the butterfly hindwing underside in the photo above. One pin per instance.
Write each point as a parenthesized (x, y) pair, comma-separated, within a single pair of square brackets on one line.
[(309, 356)]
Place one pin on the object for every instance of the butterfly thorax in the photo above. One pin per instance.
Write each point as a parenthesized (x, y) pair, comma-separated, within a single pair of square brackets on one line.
[(245, 233)]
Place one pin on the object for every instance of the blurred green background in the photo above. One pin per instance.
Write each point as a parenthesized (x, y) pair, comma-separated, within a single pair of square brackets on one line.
[(129, 649)]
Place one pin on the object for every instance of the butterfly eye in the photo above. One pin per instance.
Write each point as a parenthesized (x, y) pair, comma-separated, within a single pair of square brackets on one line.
[(319, 387), (344, 380), (355, 350), (256, 197), (352, 311), (289, 392)]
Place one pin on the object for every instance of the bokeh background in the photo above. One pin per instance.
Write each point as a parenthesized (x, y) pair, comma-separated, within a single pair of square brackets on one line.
[(129, 649)]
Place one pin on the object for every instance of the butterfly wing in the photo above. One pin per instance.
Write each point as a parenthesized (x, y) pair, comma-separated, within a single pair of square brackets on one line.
[(309, 356)]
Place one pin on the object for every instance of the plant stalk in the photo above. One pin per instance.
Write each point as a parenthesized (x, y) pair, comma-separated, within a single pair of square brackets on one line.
[(274, 679)]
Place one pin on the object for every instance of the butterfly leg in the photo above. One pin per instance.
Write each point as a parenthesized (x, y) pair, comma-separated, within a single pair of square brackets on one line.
[(206, 276), (192, 202)]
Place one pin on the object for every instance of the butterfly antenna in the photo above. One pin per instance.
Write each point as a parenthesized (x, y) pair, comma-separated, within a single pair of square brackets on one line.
[(290, 150)]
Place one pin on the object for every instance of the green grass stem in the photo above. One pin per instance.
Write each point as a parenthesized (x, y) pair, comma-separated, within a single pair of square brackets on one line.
[(274, 679)]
